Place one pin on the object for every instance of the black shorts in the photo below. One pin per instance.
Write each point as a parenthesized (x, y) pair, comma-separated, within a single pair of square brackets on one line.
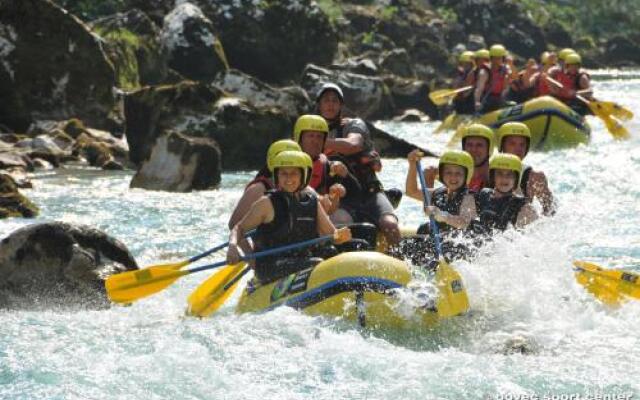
[(369, 207)]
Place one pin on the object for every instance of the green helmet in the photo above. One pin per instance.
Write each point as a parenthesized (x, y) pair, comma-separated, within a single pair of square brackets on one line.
[(572, 59), (466, 56), (457, 157), (497, 50), (289, 158), (505, 161), (514, 129), (478, 130), (278, 147), (562, 54), (309, 122), (482, 54)]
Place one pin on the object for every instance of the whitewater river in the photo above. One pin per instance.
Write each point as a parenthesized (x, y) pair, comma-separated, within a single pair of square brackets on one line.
[(522, 291)]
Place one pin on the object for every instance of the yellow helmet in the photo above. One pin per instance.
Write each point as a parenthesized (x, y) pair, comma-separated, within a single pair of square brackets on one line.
[(544, 57), (457, 157), (293, 158), (497, 50), (309, 122), (505, 161), (278, 147), (478, 130), (466, 56), (482, 54), (573, 59), (562, 55), (514, 129)]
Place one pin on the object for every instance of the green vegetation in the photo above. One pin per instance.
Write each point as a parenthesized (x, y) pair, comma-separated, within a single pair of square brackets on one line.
[(332, 9), (122, 45), (89, 10)]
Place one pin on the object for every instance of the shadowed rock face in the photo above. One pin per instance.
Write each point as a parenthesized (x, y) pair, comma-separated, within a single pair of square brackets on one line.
[(59, 265), (51, 67)]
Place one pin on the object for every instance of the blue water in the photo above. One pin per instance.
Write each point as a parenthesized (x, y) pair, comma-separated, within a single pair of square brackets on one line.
[(521, 289)]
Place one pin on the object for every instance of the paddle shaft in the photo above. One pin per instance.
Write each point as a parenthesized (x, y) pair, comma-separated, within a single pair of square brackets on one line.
[(214, 249), (435, 231), (264, 253)]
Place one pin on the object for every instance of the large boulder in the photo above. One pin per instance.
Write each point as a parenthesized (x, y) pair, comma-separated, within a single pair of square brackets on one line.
[(59, 265), (293, 100), (623, 51), (502, 21), (180, 164), (198, 110), (132, 42), (194, 48), (272, 39), (366, 96), (51, 67)]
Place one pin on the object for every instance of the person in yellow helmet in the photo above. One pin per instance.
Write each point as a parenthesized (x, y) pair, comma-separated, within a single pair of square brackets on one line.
[(463, 102), (453, 206), (538, 82), (520, 89), (573, 80), (499, 206), (477, 140), (492, 83), (284, 216), (515, 138)]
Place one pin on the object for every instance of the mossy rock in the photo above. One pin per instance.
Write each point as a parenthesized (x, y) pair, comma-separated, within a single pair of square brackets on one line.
[(18, 205), (74, 127)]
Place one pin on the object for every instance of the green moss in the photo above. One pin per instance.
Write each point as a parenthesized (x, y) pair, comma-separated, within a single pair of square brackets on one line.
[(387, 13), (332, 9), (122, 45)]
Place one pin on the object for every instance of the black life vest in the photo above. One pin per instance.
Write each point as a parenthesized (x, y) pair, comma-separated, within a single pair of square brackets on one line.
[(295, 220), (364, 164), (441, 199), (498, 213)]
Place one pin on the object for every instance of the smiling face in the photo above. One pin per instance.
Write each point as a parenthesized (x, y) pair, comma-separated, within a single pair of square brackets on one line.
[(289, 179), (478, 147), (504, 180), (453, 176), (515, 145), (329, 105), (312, 143)]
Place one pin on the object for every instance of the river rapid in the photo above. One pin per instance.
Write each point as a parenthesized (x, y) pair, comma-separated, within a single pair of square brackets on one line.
[(532, 330)]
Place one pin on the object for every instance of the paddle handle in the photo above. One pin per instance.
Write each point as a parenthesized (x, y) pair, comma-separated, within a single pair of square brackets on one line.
[(265, 253), (435, 230)]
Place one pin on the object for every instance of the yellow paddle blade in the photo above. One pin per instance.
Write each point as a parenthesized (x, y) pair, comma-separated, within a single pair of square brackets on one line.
[(133, 285), (610, 286), (443, 96), (614, 126), (211, 294), (456, 140), (174, 266), (614, 109), (446, 123), (452, 299)]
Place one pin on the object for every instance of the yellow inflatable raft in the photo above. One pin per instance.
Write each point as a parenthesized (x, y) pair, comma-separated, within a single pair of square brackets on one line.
[(367, 287), (552, 123)]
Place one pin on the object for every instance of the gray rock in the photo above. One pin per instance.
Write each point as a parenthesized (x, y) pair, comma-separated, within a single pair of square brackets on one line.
[(189, 37), (180, 164), (292, 100), (366, 96), (398, 62), (57, 264), (411, 115)]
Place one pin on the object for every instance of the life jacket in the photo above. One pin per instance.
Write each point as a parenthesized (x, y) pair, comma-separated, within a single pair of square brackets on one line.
[(294, 220), (497, 81), (569, 83), (263, 176), (320, 174), (452, 205), (525, 179), (542, 87), (498, 213), (364, 164), (477, 184)]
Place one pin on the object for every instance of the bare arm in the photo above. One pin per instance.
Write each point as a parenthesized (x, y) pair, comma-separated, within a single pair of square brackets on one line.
[(352, 144), (482, 82), (261, 212), (325, 226), (538, 187), (526, 215), (250, 196), (467, 213)]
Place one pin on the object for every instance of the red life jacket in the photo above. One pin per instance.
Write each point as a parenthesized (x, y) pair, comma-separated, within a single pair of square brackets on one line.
[(570, 83), (263, 176), (319, 174), (497, 81), (542, 87), (477, 184)]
